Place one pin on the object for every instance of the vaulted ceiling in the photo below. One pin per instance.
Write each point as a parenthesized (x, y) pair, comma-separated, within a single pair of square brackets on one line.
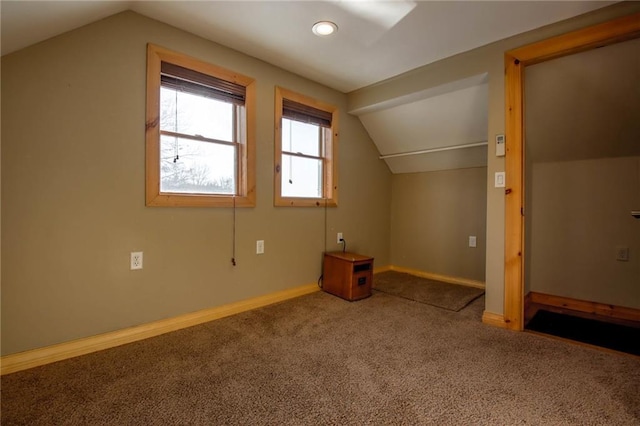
[(376, 40)]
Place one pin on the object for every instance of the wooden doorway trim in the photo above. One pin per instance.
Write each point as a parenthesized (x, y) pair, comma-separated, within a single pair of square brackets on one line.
[(617, 30)]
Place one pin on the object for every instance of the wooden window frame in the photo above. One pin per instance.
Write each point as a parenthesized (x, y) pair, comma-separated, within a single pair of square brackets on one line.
[(329, 196), (245, 179)]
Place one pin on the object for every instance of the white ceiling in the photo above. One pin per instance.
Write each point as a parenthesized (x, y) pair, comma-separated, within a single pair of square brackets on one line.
[(376, 40), (453, 118)]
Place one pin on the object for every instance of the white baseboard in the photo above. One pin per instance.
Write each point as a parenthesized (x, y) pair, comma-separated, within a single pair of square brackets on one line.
[(41, 356)]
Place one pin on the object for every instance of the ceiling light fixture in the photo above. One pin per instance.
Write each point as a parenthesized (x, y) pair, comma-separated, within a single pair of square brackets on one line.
[(324, 28)]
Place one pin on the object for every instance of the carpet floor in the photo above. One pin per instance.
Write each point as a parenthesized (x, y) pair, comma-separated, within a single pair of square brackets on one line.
[(320, 360), (443, 295)]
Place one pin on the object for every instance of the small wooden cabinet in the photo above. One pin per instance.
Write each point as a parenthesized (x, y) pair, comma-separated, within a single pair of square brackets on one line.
[(347, 275)]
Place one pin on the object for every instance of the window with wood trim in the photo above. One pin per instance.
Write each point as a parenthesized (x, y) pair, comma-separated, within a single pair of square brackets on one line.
[(306, 142), (200, 125)]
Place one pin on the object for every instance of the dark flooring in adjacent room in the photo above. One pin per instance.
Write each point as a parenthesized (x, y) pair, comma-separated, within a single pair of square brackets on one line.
[(618, 337)]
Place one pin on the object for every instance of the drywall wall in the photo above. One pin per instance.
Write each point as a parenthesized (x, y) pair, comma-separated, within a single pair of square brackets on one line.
[(580, 216), (584, 106), (73, 156), (432, 216), (489, 59)]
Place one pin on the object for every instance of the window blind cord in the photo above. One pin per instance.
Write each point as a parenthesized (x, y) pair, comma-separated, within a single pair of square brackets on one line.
[(233, 244)]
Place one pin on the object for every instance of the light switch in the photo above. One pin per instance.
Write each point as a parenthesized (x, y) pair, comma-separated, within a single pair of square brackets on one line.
[(472, 240), (499, 179)]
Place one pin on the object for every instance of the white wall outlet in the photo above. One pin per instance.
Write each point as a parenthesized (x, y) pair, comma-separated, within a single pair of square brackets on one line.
[(339, 237), (260, 247), (472, 240), (622, 254), (136, 260), (500, 179)]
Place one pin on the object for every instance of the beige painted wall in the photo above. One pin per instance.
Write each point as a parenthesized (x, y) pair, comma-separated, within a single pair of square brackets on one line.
[(580, 214), (432, 216), (488, 59), (73, 113), (584, 106)]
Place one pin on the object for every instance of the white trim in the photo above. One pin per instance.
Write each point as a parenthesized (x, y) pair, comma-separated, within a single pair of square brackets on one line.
[(428, 151)]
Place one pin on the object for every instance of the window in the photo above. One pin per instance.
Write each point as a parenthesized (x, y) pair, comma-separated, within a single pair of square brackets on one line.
[(306, 151), (199, 133)]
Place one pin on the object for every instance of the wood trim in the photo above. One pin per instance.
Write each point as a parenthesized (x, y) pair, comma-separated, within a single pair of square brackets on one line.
[(41, 356), (596, 308), (624, 28), (152, 126), (438, 277), (514, 195), (330, 163), (617, 30), (495, 320), (381, 269), (248, 161), (247, 152)]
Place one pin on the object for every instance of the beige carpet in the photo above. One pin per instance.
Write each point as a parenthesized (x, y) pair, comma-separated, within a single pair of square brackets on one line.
[(443, 295), (320, 360)]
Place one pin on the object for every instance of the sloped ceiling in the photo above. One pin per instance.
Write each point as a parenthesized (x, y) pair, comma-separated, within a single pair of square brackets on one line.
[(438, 119), (406, 33)]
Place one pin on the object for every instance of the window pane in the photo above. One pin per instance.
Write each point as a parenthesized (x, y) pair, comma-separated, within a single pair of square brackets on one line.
[(195, 115), (188, 166), (301, 177), (301, 138)]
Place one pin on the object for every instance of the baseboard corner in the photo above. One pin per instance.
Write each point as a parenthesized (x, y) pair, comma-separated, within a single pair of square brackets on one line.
[(385, 268), (493, 319)]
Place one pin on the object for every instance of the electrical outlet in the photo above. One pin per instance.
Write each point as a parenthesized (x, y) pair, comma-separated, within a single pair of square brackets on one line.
[(136, 260), (339, 237), (472, 240), (622, 254), (260, 247)]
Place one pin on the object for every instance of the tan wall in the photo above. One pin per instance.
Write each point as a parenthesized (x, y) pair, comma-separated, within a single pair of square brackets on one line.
[(432, 216), (73, 113), (580, 214), (583, 107), (488, 59)]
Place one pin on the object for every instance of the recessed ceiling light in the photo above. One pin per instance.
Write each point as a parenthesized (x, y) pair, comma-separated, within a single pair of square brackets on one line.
[(324, 28)]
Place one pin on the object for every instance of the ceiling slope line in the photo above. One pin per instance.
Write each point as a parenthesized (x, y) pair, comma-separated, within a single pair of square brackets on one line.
[(419, 94)]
